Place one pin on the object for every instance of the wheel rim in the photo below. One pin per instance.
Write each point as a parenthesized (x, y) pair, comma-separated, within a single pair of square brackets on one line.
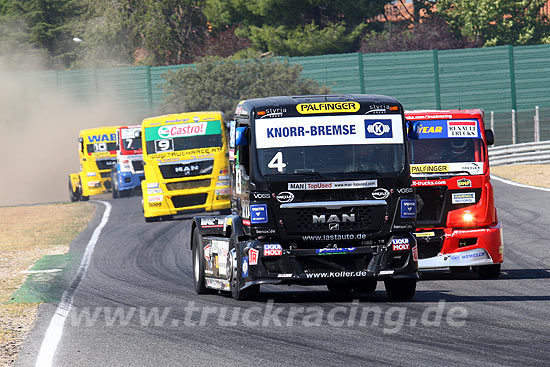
[(196, 265)]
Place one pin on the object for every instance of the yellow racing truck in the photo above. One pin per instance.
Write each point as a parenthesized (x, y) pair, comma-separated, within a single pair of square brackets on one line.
[(97, 150), (185, 164)]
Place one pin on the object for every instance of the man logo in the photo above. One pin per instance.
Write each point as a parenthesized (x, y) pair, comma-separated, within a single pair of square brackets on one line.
[(333, 218), (334, 226)]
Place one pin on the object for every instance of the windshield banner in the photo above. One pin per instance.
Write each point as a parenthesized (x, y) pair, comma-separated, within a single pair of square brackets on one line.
[(473, 168), (183, 130), (433, 129), (328, 130)]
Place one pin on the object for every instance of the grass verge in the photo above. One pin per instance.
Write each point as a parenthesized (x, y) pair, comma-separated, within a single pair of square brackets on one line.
[(38, 235)]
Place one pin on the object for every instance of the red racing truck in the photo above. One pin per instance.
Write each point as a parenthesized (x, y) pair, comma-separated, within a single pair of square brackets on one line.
[(457, 223)]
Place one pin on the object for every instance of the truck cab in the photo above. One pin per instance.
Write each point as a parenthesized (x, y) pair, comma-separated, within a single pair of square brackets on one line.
[(457, 223), (321, 195), (128, 172), (97, 151), (185, 165)]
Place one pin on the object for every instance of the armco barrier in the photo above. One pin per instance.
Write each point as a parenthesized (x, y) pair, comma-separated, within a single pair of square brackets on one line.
[(520, 153)]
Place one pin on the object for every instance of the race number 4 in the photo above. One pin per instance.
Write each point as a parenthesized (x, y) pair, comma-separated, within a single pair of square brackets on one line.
[(277, 162)]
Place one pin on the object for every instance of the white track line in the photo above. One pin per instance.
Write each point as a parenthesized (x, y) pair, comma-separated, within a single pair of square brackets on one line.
[(55, 329), (518, 184)]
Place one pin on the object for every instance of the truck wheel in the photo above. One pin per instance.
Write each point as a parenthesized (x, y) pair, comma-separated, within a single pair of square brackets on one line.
[(339, 288), (84, 198), (400, 289), (73, 195), (365, 286), (198, 264), (489, 271)]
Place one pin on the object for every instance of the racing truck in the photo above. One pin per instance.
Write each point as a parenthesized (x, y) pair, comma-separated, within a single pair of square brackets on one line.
[(320, 195), (457, 223), (128, 171), (185, 164), (97, 151)]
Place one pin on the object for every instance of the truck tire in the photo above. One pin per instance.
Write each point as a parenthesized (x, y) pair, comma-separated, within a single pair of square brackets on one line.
[(198, 264), (400, 289), (84, 198), (248, 294), (489, 271), (73, 195)]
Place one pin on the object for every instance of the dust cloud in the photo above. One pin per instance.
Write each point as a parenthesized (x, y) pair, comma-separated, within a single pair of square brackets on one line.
[(39, 136)]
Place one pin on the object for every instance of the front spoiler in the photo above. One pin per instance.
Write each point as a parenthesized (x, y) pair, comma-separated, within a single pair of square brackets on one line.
[(473, 257)]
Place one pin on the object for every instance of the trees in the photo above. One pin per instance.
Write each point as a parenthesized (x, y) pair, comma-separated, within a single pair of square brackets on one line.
[(219, 84), (296, 28), (497, 22)]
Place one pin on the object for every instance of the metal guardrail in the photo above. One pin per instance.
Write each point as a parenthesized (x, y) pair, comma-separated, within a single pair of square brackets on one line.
[(520, 153)]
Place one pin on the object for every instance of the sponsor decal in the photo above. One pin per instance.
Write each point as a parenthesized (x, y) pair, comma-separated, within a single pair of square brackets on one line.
[(464, 198), (424, 234), (327, 107), (271, 112), (403, 226), (328, 130), (199, 153), (405, 190), (469, 232), (101, 137), (261, 195), (207, 252), (265, 231), (223, 177), (273, 249), (429, 168), (380, 194), (335, 237), (472, 254), (155, 204), (220, 284), (464, 182), (258, 213), (211, 222), (224, 191), (285, 197), (337, 185), (386, 272), (183, 130), (400, 244), (337, 274), (462, 129), (222, 183), (253, 256), (334, 251), (378, 128), (90, 174), (408, 208), (415, 253), (284, 275), (155, 198), (246, 222), (152, 185), (417, 183), (129, 133), (222, 197), (245, 267), (154, 191)]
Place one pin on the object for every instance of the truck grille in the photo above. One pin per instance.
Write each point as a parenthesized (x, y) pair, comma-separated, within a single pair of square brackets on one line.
[(189, 200), (366, 219), (137, 166), (431, 205), (185, 185), (105, 163), (180, 169), (105, 174)]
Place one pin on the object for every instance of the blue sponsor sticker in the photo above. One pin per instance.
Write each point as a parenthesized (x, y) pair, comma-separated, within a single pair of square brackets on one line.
[(408, 208), (329, 251), (378, 128), (245, 266), (258, 213)]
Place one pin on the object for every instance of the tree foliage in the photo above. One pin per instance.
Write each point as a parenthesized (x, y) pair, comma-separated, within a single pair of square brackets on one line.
[(287, 27), (496, 22), (219, 84)]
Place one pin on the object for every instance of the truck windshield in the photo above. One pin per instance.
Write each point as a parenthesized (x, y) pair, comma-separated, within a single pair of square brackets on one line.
[(169, 138), (330, 145), (447, 141)]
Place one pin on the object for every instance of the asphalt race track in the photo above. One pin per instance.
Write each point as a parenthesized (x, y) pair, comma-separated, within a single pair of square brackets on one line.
[(137, 269)]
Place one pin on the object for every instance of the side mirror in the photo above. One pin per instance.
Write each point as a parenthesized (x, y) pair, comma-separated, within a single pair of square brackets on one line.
[(412, 130), (80, 140), (240, 136), (489, 137)]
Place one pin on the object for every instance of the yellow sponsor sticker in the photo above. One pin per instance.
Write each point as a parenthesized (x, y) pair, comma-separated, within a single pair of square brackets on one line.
[(424, 234), (429, 168), (327, 107)]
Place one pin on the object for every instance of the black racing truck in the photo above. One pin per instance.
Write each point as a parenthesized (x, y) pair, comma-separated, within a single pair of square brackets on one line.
[(321, 195)]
